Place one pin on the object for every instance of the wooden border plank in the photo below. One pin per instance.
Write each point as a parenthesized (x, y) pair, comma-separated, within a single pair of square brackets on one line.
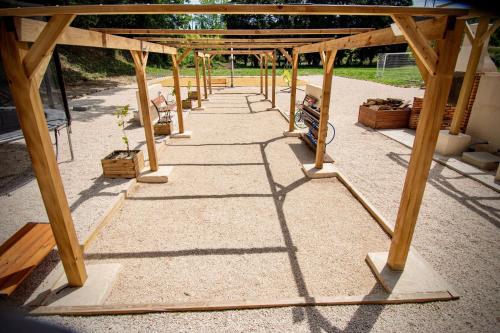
[(235, 32)]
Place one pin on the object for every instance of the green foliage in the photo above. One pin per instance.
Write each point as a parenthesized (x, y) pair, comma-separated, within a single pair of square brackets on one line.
[(287, 76), (121, 114)]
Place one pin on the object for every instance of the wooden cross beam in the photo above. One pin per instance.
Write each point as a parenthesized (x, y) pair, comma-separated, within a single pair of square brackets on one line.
[(234, 32), (236, 52), (235, 46), (285, 54), (231, 9)]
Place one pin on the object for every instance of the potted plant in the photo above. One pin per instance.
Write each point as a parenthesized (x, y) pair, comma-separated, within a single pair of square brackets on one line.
[(164, 124), (123, 163), (192, 95)]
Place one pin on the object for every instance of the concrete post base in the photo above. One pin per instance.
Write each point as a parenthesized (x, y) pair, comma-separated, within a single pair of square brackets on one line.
[(295, 133), (159, 176), (328, 171), (198, 109), (448, 144), (184, 135)]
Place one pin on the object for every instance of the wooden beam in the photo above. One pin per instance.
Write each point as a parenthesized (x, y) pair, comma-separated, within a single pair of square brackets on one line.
[(234, 40), (293, 90), (177, 89), (28, 31), (286, 55), (273, 84), (236, 52), (261, 65), (266, 76), (469, 33), (421, 68), (204, 69), (418, 42), (210, 74), (235, 32), (490, 31), (470, 73), (431, 117), (235, 45), (197, 73), (325, 107), (231, 9), (431, 29), (184, 55), (140, 61), (30, 112), (40, 53)]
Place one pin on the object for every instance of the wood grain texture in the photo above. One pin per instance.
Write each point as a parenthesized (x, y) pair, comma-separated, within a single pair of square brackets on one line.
[(435, 98), (197, 74), (31, 116), (273, 81), (234, 32), (28, 30), (293, 90), (177, 89), (140, 61), (325, 107)]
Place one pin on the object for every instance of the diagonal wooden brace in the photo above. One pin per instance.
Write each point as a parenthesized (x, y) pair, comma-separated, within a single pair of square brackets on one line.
[(417, 41)]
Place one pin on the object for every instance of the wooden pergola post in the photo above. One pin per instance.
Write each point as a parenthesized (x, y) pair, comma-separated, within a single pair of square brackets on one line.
[(431, 116), (210, 73), (273, 90), (177, 89), (24, 67), (470, 73), (261, 64), (293, 90), (204, 69), (266, 77), (140, 61), (325, 107), (197, 72)]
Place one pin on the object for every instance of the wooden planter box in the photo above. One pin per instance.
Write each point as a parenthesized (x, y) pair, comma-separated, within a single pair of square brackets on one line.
[(187, 104), (193, 95), (162, 128), (383, 118), (119, 165)]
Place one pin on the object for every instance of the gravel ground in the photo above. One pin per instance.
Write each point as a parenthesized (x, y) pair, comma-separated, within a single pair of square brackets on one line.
[(94, 135), (235, 220), (457, 233)]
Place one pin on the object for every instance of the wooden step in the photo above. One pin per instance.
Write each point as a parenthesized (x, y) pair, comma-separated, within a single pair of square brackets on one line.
[(22, 252)]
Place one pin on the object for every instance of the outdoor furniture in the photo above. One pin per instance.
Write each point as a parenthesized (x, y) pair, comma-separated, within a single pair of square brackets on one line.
[(56, 121), (163, 108)]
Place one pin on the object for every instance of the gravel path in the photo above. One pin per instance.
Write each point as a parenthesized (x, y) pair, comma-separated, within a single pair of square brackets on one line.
[(457, 233)]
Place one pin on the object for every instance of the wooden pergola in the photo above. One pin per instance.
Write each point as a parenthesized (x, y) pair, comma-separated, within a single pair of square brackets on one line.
[(27, 46)]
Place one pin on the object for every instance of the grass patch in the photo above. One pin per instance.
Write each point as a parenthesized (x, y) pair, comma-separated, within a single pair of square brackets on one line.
[(403, 77)]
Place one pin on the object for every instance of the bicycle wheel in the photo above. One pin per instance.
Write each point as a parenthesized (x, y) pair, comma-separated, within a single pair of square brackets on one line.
[(330, 134), (299, 120)]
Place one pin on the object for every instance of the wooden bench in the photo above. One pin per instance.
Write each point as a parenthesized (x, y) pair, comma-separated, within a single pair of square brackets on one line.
[(162, 106), (22, 252), (219, 81)]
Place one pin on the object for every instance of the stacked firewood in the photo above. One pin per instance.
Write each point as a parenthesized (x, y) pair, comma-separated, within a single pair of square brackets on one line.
[(388, 104)]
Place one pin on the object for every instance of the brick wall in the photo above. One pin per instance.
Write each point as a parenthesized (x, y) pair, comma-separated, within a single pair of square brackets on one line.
[(449, 111)]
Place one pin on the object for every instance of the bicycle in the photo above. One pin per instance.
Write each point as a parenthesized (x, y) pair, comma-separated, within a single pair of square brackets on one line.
[(304, 120)]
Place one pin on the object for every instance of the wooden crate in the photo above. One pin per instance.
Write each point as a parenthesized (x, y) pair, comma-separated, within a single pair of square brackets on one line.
[(383, 118), (187, 104), (123, 168), (162, 128), (193, 95)]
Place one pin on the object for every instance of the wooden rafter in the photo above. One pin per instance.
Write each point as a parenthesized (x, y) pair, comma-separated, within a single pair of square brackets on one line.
[(430, 29), (184, 55), (418, 42), (237, 51), (231, 9), (233, 40), (235, 46), (235, 32), (28, 30), (287, 56), (490, 31)]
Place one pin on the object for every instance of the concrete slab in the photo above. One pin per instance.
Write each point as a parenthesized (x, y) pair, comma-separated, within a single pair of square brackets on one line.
[(417, 277), (159, 176), (449, 144), (95, 291), (273, 109), (198, 109), (184, 135), (329, 170), (481, 159), (294, 133)]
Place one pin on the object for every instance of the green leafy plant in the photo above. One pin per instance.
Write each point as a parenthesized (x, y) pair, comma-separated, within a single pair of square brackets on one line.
[(189, 86), (287, 76), (121, 114)]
